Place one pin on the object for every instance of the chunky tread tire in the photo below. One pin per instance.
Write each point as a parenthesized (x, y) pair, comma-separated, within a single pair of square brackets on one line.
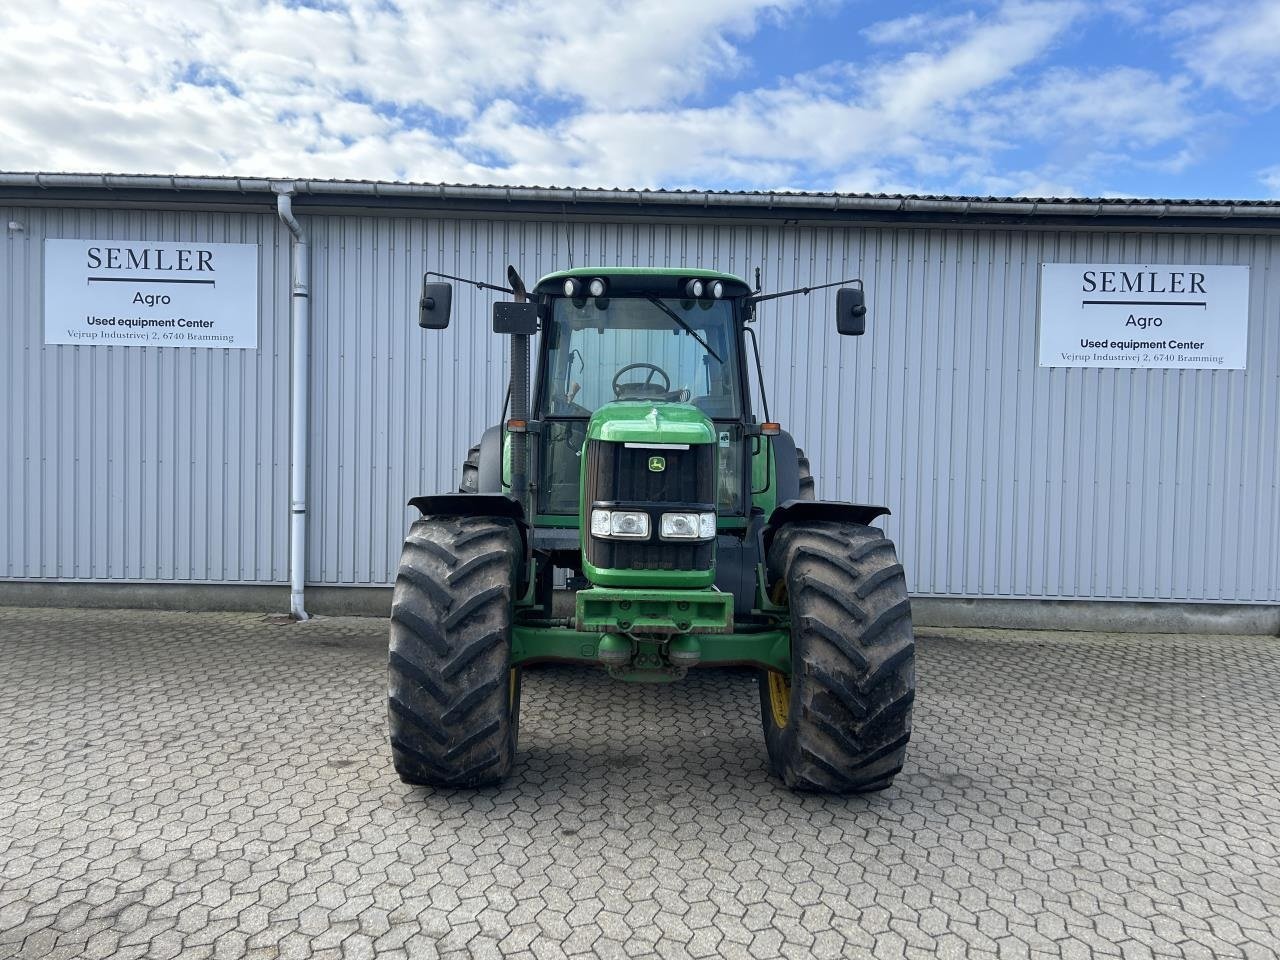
[(808, 487), (853, 660), (452, 702)]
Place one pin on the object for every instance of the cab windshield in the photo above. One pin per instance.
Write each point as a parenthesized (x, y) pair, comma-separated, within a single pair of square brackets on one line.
[(641, 348)]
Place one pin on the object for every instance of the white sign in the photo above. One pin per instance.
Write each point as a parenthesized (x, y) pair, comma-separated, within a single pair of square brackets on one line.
[(143, 293), (1143, 315)]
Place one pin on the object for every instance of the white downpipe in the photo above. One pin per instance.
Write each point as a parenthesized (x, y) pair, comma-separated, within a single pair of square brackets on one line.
[(300, 317)]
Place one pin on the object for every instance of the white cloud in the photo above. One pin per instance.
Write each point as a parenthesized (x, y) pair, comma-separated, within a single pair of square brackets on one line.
[(103, 83), (1235, 46), (567, 92), (640, 54), (988, 53), (919, 28), (1270, 178), (1123, 106), (906, 121)]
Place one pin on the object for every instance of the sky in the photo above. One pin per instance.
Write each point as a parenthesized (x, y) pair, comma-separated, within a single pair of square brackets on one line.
[(1017, 98)]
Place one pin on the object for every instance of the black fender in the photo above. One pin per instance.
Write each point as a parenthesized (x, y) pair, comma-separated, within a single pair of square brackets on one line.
[(809, 511), (469, 505), (491, 460), (786, 467)]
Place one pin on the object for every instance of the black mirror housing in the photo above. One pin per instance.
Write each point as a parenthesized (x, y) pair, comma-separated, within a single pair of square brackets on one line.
[(851, 312), (434, 307), (518, 318)]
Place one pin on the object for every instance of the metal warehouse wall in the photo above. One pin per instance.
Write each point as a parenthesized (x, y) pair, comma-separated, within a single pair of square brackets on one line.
[(136, 463), (1005, 480)]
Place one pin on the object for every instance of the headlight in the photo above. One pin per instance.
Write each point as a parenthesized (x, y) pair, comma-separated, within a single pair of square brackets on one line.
[(620, 524), (687, 526), (707, 526)]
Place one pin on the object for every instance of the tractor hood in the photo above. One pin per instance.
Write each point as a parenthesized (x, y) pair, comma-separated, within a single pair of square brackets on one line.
[(650, 422)]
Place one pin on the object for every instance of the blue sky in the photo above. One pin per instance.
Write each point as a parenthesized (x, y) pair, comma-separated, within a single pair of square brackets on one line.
[(1023, 97)]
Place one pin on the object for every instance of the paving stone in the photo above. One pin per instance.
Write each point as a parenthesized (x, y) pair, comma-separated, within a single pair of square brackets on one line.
[(215, 785)]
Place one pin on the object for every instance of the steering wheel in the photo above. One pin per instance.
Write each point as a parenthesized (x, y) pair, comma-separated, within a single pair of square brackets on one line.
[(640, 388)]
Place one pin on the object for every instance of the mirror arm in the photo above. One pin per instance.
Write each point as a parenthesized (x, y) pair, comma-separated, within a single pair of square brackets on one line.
[(478, 284), (749, 301)]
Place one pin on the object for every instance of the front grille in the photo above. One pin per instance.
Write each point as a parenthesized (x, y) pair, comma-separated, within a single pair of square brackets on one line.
[(620, 476)]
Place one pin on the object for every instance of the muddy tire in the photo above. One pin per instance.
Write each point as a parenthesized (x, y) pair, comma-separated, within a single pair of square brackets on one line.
[(841, 722), (453, 700)]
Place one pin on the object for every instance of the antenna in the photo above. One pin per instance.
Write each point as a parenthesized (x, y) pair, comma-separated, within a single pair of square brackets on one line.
[(568, 234)]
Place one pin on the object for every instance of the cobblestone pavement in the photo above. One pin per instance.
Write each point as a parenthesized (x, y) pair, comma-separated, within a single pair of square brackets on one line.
[(216, 785)]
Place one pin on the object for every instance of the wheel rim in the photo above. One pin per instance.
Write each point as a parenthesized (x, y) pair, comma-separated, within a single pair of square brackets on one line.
[(779, 698), (779, 685), (513, 680)]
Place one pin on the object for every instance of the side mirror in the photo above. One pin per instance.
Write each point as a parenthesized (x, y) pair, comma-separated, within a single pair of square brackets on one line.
[(433, 308), (851, 312), (515, 317)]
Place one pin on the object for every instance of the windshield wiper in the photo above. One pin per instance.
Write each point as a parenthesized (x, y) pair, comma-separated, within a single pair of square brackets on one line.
[(688, 329)]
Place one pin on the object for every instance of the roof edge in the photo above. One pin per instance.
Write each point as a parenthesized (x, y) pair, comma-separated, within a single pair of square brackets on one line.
[(961, 207)]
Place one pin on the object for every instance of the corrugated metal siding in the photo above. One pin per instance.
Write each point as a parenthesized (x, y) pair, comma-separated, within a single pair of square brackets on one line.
[(143, 463), (1005, 480)]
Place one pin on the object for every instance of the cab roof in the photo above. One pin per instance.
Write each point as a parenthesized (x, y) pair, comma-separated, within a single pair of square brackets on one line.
[(640, 280)]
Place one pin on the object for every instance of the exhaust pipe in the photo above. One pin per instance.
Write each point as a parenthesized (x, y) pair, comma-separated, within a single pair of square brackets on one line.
[(520, 411), (519, 401)]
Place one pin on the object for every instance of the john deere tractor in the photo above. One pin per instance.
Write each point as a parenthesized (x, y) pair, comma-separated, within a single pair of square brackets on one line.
[(636, 480)]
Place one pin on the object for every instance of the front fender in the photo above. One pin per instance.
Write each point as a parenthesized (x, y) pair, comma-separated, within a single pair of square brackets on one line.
[(808, 511), (469, 505)]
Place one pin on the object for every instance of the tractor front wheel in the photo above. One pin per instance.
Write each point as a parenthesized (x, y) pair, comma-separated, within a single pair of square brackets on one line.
[(840, 722), (453, 699)]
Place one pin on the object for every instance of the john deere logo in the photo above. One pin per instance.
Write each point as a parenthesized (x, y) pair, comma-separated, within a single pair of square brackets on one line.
[(657, 464)]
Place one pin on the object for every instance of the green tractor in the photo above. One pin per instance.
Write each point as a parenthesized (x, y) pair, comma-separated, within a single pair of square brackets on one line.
[(684, 528)]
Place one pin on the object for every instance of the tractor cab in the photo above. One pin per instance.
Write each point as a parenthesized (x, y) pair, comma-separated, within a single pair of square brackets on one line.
[(658, 338), (641, 340)]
